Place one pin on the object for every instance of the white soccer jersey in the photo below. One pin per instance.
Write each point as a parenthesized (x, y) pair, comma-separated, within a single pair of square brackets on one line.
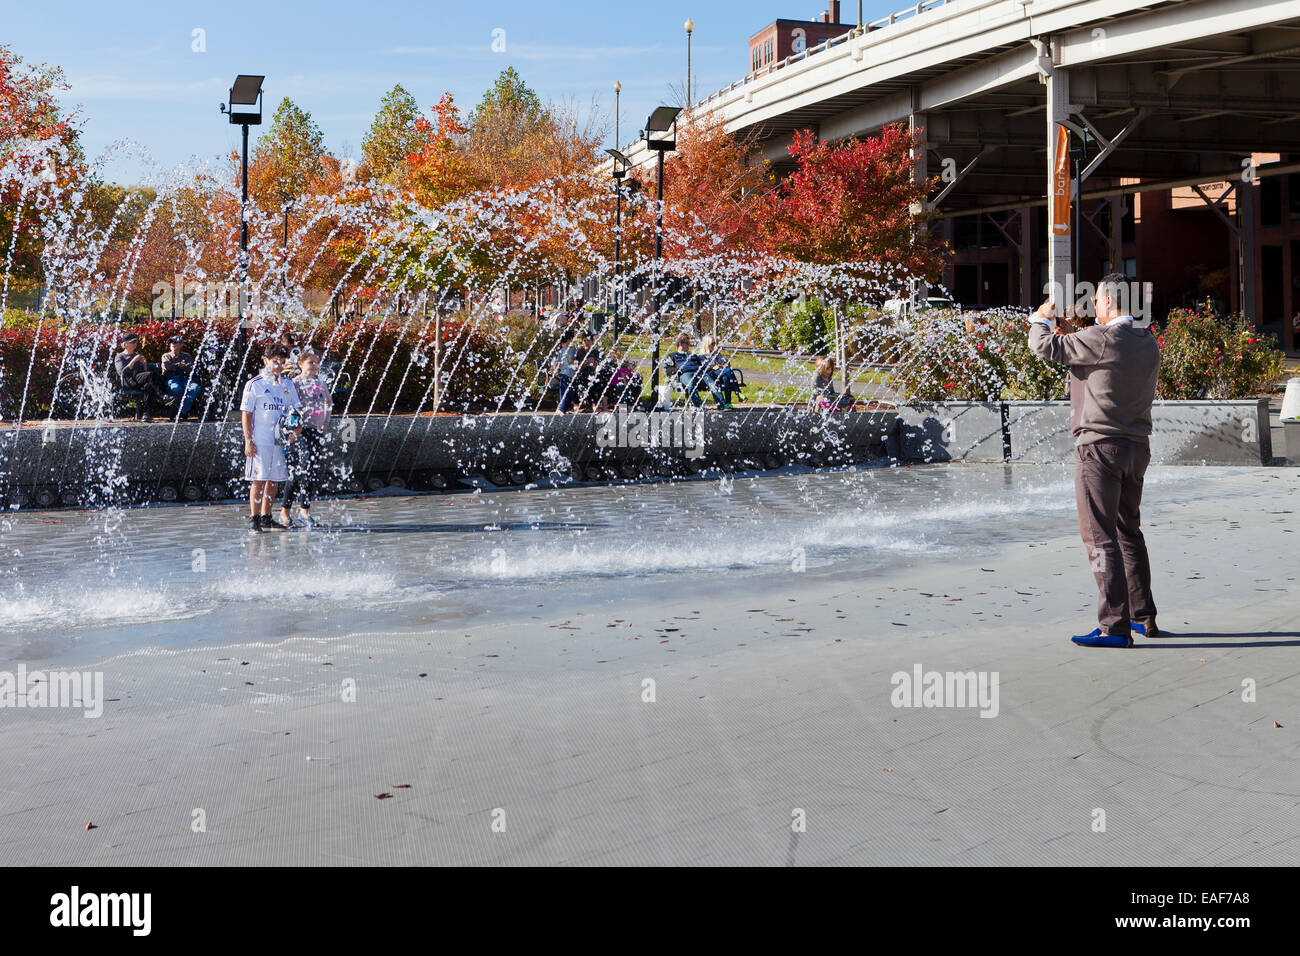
[(268, 396)]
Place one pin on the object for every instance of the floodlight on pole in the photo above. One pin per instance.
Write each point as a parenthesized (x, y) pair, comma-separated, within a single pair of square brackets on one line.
[(660, 136), (245, 91)]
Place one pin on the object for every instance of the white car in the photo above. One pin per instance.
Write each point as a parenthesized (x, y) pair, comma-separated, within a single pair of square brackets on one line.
[(907, 307)]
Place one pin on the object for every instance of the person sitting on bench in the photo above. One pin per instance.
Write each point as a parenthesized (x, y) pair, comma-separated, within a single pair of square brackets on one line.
[(134, 372), (691, 373), (622, 386), (177, 372), (716, 365)]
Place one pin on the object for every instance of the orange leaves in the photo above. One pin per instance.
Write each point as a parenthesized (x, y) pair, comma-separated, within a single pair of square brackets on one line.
[(441, 171)]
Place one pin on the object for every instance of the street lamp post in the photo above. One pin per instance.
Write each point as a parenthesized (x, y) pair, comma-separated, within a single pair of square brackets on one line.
[(621, 165), (660, 136), (247, 92), (690, 28)]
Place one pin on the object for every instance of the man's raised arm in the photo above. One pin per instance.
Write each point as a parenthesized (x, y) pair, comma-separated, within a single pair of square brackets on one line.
[(1085, 347)]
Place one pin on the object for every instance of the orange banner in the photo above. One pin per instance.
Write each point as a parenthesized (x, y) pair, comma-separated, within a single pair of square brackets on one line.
[(1061, 183)]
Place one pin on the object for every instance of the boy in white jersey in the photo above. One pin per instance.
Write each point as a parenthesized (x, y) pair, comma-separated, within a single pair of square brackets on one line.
[(266, 397)]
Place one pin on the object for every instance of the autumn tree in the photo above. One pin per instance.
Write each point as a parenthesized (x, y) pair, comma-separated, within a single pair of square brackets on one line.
[(30, 114), (849, 204), (713, 188), (288, 158), (440, 169), (393, 135)]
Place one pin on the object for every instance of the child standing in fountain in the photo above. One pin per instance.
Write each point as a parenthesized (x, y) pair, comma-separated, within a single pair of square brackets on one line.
[(266, 397), (305, 455)]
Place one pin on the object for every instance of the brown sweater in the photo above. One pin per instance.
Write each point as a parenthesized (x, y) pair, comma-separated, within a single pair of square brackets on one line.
[(1113, 370)]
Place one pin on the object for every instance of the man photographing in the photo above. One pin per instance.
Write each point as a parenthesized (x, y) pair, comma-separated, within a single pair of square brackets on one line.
[(1113, 368)]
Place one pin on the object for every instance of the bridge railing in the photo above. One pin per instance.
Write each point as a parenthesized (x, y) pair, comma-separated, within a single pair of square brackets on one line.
[(915, 10)]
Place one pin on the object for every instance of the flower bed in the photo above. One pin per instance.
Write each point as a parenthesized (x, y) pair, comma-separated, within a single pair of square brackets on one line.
[(1203, 355), (986, 357), (390, 362)]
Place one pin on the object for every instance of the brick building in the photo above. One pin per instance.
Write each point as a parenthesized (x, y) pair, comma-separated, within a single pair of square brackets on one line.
[(783, 38)]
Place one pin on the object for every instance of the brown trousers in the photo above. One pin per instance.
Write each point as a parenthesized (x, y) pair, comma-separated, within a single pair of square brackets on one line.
[(1108, 492)]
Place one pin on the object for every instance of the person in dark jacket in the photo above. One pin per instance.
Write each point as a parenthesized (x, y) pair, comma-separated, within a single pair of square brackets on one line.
[(134, 372), (178, 374), (690, 371)]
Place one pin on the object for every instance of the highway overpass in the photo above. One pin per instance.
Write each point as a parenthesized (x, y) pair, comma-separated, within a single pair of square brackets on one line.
[(1179, 92)]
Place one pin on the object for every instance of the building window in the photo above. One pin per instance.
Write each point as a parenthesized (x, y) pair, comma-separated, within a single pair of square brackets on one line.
[(1270, 201), (769, 51), (966, 232)]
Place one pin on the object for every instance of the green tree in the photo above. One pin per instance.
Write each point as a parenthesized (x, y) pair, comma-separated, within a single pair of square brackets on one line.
[(288, 158), (393, 135), (506, 129)]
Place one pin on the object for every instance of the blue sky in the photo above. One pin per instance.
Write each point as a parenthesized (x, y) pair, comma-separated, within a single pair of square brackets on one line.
[(135, 75)]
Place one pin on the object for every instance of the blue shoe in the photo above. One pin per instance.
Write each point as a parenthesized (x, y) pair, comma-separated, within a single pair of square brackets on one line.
[(1098, 639), (1138, 628)]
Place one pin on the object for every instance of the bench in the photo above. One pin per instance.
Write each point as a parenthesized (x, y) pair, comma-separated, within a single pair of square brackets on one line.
[(128, 397), (627, 395), (677, 388)]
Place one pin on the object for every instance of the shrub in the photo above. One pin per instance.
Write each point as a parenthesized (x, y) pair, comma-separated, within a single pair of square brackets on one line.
[(984, 357), (800, 327), (390, 363), (1203, 355)]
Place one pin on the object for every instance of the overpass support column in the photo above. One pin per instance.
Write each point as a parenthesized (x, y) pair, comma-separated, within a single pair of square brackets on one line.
[(917, 122), (1029, 298), (1247, 296), (1059, 191)]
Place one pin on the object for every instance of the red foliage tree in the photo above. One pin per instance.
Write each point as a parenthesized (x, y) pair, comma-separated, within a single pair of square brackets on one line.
[(851, 202)]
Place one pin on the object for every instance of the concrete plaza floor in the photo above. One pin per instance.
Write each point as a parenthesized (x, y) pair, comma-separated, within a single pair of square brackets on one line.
[(463, 678)]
